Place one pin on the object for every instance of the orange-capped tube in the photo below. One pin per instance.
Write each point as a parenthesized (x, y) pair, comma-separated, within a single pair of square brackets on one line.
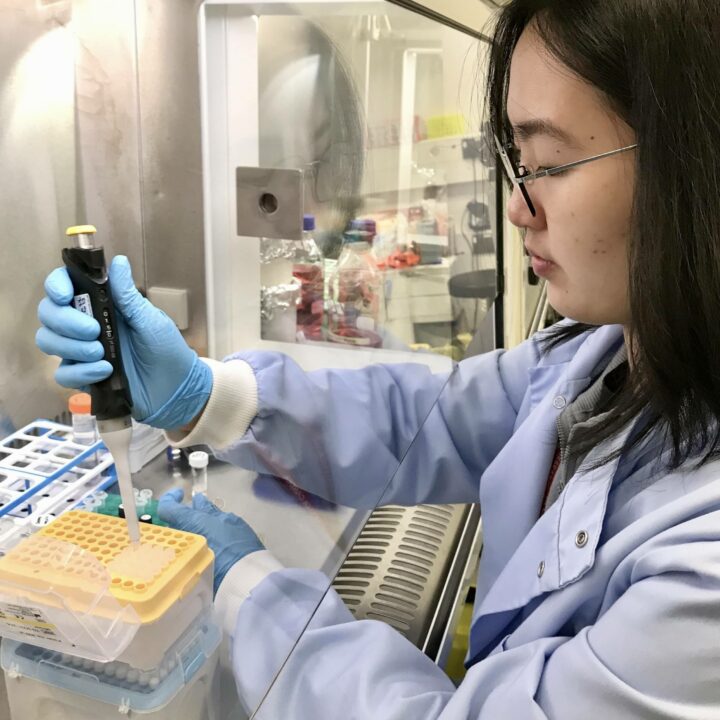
[(84, 428), (80, 403)]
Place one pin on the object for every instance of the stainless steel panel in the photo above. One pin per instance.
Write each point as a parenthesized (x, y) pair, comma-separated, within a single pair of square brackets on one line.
[(269, 203), (68, 151), (170, 153), (392, 576)]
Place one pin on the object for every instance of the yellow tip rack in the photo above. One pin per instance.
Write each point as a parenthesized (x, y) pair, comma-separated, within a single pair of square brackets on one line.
[(79, 586)]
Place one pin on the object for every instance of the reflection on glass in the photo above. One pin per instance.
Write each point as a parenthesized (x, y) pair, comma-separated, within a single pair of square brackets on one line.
[(396, 267), (397, 253), (397, 178)]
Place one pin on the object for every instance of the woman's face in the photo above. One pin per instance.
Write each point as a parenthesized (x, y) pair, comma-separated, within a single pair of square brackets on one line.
[(578, 239)]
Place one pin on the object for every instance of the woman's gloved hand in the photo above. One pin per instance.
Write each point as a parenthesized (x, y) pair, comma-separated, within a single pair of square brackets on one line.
[(169, 383), (228, 535)]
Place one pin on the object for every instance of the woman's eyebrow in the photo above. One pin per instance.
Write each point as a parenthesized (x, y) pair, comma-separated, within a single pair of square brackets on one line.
[(530, 128)]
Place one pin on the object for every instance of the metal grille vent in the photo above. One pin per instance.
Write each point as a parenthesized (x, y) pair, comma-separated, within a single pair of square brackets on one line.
[(396, 570)]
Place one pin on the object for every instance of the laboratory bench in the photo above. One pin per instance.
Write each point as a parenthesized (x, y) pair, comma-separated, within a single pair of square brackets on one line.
[(308, 532), (300, 530)]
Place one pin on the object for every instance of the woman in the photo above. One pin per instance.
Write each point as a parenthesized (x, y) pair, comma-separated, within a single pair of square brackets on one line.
[(592, 448)]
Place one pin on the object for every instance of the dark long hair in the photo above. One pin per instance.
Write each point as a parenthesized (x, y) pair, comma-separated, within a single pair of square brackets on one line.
[(657, 63)]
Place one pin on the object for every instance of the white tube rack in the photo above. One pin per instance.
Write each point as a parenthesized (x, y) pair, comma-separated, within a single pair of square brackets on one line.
[(43, 473)]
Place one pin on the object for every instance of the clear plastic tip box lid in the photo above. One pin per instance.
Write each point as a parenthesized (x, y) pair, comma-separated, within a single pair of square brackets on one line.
[(78, 586), (118, 683)]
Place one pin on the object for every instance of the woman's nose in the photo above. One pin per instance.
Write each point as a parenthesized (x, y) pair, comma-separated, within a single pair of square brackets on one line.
[(519, 213)]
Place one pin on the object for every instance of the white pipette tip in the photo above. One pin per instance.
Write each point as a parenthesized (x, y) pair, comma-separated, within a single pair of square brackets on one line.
[(118, 443)]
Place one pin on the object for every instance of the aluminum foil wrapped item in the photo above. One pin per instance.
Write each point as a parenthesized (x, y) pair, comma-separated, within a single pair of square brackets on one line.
[(271, 250), (278, 312), (278, 298)]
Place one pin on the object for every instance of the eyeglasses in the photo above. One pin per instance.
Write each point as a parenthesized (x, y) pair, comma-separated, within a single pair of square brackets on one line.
[(522, 176)]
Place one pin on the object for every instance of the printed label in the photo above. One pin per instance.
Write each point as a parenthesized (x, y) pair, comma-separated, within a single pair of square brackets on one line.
[(83, 304), (29, 622)]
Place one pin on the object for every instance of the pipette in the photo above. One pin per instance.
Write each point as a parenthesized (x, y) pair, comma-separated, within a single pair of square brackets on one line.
[(111, 400)]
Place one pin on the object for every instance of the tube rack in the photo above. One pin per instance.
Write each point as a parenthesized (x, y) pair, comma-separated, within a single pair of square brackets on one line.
[(43, 473)]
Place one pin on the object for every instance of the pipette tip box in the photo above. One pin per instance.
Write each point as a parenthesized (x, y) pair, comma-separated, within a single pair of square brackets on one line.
[(80, 587), (180, 686)]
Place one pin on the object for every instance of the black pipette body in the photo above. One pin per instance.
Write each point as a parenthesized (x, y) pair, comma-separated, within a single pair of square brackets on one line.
[(85, 263)]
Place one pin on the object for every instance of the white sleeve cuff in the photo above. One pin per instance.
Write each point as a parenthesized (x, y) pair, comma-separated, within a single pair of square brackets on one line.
[(240, 579), (230, 409)]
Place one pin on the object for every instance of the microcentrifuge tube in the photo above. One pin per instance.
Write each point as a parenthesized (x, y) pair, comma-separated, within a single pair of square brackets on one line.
[(174, 456), (198, 462), (139, 503), (84, 427)]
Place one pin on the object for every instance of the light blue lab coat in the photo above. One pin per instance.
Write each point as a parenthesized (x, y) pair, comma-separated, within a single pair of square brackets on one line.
[(606, 606)]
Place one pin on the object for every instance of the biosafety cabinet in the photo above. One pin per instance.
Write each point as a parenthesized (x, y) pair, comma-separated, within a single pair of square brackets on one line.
[(330, 163)]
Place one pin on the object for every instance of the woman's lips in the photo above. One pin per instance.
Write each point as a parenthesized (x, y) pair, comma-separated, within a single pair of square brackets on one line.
[(541, 266)]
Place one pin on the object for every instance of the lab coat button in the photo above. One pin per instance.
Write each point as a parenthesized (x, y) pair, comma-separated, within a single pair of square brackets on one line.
[(559, 402), (541, 569), (581, 539)]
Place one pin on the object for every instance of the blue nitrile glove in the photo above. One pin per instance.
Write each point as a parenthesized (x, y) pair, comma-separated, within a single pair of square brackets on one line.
[(168, 382), (228, 535)]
